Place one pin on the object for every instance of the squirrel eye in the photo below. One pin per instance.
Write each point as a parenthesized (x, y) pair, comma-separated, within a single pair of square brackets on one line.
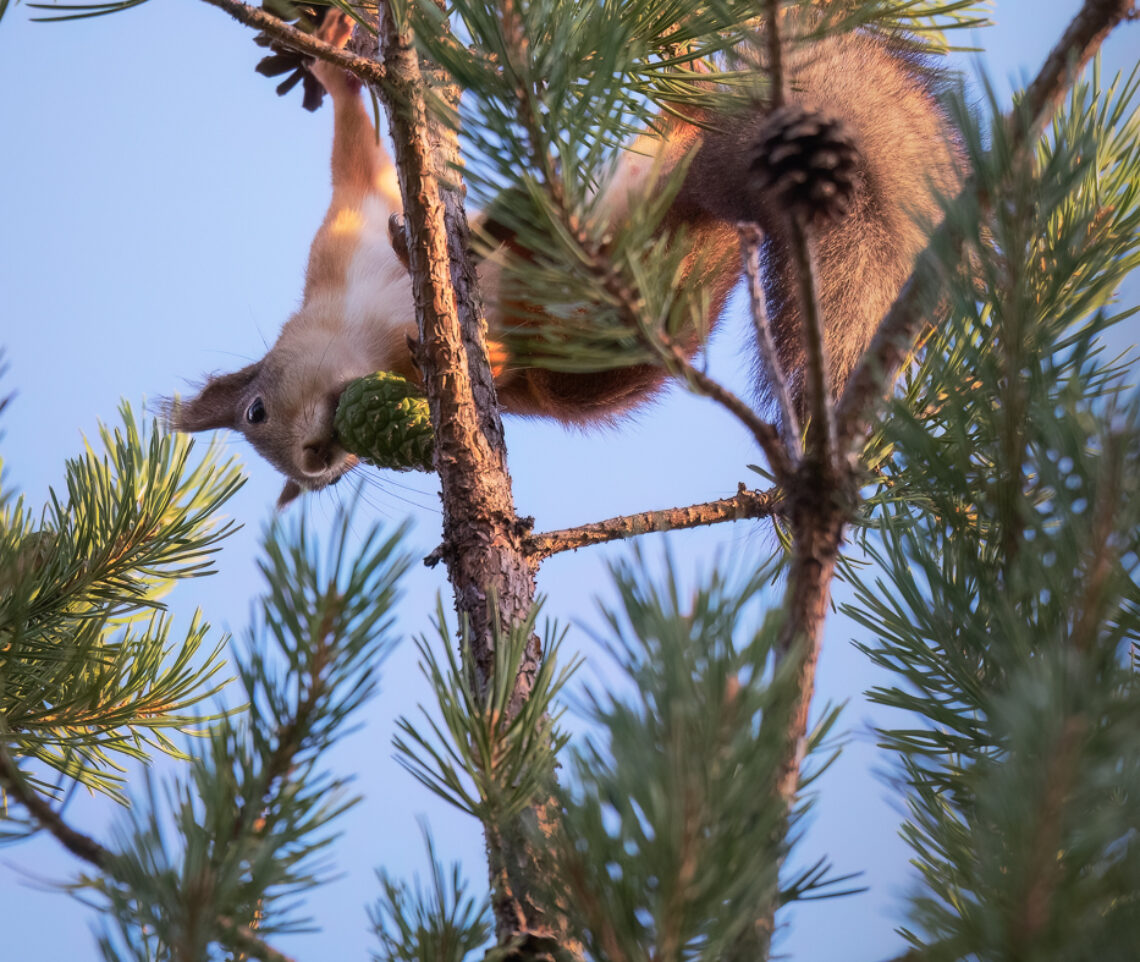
[(255, 413)]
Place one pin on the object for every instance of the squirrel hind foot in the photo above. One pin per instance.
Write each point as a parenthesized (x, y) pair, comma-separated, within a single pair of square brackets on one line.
[(336, 30)]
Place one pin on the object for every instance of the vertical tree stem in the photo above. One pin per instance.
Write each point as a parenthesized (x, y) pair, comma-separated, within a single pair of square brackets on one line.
[(482, 539)]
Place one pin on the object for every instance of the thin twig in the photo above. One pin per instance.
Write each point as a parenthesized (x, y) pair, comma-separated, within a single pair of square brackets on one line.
[(78, 844), (801, 248), (751, 238), (820, 439), (246, 941), (816, 515), (745, 504), (766, 434), (365, 69), (884, 357)]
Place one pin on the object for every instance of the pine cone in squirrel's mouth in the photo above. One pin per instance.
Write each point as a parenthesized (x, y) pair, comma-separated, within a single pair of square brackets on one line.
[(384, 420), (808, 161)]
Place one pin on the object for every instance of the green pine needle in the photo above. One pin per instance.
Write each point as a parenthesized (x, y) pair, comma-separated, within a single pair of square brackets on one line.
[(91, 673)]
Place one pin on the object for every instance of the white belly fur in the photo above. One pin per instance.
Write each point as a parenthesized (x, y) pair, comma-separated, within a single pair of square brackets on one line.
[(378, 290)]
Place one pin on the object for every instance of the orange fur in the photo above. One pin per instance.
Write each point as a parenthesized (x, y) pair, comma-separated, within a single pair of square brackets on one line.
[(357, 314)]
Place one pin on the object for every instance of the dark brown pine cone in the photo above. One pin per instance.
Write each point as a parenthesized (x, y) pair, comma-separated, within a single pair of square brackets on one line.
[(809, 161), (307, 17)]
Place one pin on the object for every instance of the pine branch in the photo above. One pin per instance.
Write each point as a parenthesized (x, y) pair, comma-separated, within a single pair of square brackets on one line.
[(1036, 904), (801, 248), (670, 840), (80, 845), (364, 68), (899, 330), (1010, 648), (821, 501), (439, 922), (820, 440), (90, 669), (818, 531), (745, 504), (332, 631), (1104, 554), (290, 736)]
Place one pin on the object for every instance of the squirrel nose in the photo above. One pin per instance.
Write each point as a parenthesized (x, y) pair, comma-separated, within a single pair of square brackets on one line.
[(316, 457)]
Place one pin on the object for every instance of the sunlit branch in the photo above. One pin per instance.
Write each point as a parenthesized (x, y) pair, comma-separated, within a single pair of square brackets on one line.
[(745, 504), (367, 70)]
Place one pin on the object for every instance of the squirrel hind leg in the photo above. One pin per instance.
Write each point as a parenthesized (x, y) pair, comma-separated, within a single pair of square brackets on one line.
[(336, 30)]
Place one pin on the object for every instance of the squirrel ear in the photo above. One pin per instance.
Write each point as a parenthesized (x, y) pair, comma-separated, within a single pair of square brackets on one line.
[(218, 404), (291, 491)]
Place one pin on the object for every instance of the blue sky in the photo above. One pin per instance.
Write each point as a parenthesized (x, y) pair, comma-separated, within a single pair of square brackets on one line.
[(158, 201)]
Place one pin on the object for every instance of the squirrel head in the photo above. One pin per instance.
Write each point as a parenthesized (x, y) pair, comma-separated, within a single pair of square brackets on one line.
[(285, 404)]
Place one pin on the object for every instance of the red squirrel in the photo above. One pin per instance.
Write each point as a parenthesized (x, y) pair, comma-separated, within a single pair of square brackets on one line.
[(357, 313)]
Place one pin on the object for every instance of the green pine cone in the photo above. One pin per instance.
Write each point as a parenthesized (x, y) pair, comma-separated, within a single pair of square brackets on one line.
[(383, 419)]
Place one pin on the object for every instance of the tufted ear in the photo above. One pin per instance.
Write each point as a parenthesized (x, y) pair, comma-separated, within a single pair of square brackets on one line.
[(217, 405), (291, 491)]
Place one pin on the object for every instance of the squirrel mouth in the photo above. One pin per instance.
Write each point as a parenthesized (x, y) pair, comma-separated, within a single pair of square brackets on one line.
[(335, 473)]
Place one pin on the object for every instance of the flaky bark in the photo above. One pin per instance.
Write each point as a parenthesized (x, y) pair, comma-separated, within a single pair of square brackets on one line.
[(483, 542)]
